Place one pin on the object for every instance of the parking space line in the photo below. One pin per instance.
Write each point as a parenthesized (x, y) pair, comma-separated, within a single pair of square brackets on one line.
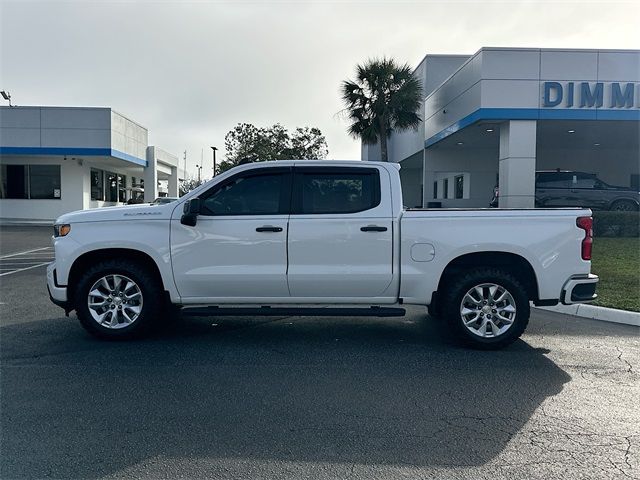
[(30, 259), (19, 260), (23, 269), (11, 266), (25, 252)]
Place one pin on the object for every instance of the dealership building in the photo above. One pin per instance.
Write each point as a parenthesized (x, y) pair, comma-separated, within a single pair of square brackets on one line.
[(498, 116), (55, 160)]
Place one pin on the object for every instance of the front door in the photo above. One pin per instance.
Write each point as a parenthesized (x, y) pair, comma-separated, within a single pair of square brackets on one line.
[(340, 233), (238, 248)]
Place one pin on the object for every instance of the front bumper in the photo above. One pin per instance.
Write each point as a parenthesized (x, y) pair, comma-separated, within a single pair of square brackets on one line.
[(580, 289), (57, 293)]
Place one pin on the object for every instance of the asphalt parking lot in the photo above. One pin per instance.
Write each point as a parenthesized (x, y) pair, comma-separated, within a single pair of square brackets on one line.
[(293, 397)]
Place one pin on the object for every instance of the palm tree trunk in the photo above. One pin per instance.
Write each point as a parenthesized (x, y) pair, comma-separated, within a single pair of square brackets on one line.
[(383, 148), (384, 156)]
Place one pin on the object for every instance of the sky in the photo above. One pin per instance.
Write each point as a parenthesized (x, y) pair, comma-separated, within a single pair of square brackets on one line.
[(189, 71)]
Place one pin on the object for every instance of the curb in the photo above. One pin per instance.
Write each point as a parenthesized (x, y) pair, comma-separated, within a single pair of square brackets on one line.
[(18, 222), (598, 313)]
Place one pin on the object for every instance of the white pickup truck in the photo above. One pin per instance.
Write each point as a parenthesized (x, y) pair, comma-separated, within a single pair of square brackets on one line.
[(264, 237)]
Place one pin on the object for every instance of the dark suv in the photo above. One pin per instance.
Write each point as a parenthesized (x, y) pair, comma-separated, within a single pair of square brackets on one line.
[(564, 188)]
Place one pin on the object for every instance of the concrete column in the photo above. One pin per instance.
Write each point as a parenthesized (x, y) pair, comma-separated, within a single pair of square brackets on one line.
[(150, 176), (427, 179), (128, 185), (172, 186), (86, 185), (517, 166)]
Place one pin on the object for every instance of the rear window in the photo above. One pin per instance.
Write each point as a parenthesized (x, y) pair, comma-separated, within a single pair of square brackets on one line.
[(341, 190)]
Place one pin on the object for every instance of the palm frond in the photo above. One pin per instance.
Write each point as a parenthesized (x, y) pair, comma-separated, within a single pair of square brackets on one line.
[(384, 96)]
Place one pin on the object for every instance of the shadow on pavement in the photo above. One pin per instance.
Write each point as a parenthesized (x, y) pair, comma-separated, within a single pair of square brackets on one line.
[(370, 391)]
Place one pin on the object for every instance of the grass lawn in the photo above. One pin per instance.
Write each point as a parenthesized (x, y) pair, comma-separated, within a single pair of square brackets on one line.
[(617, 262)]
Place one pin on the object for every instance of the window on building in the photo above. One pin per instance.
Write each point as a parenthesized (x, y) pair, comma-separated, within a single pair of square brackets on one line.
[(14, 182), (459, 186), (445, 188), (122, 188), (38, 182), (111, 191), (97, 185), (341, 191), (435, 189), (44, 181)]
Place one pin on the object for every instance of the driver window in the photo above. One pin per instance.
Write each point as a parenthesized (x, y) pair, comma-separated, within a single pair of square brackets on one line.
[(247, 195)]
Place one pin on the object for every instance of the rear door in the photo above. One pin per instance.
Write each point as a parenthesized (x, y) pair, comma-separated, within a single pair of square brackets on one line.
[(340, 233)]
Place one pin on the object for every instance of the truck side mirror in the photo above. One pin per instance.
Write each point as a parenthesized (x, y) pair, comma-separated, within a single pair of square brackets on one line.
[(190, 212)]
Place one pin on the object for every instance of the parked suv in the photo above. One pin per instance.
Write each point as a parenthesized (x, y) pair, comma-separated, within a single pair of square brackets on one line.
[(566, 188)]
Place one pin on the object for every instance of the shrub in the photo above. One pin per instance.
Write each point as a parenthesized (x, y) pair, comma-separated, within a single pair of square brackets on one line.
[(616, 224)]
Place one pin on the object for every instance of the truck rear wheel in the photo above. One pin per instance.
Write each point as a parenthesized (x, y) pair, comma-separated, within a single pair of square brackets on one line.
[(118, 300), (487, 308)]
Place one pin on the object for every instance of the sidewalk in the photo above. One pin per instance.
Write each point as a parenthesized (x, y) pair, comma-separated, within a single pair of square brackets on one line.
[(598, 313)]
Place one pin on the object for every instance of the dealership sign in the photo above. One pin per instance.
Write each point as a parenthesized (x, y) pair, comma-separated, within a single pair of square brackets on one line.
[(591, 94)]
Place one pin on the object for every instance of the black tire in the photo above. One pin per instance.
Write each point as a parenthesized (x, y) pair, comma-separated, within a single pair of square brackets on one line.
[(151, 293), (624, 206), (456, 290)]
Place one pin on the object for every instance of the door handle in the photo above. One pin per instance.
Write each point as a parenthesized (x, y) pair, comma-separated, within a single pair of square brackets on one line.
[(373, 228), (268, 228)]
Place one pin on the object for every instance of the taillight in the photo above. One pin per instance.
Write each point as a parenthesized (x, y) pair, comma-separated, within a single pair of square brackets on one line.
[(586, 224)]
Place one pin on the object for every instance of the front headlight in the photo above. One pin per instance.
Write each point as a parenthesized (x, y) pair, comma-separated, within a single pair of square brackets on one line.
[(61, 230)]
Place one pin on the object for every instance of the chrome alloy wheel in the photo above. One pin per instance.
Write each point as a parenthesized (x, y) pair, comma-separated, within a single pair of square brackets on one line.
[(115, 301), (488, 310)]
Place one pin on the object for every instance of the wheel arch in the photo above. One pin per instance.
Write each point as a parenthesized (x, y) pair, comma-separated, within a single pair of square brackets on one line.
[(624, 200), (81, 263), (510, 262)]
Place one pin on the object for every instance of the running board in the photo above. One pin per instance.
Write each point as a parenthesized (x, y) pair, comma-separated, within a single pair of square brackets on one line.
[(294, 311)]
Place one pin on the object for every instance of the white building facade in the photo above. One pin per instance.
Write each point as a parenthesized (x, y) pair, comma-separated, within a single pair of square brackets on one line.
[(55, 160), (501, 114)]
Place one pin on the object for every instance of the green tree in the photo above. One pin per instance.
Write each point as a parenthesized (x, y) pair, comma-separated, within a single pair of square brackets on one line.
[(384, 97), (247, 143), (187, 185)]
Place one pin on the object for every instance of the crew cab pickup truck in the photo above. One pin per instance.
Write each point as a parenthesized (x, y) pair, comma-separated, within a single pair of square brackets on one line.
[(271, 235)]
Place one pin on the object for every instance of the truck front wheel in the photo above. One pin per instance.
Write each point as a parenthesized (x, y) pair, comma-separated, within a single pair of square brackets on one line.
[(487, 308), (118, 299)]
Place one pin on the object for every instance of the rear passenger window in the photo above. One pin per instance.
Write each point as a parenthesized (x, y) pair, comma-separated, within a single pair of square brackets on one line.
[(553, 180), (346, 190)]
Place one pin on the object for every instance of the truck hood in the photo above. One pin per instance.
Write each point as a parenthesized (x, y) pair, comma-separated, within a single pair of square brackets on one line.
[(124, 213)]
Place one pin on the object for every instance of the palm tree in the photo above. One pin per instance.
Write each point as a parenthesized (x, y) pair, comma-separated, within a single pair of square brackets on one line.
[(384, 97)]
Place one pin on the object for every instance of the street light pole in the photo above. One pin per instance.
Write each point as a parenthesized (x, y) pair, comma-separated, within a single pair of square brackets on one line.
[(7, 96), (199, 167), (214, 160)]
